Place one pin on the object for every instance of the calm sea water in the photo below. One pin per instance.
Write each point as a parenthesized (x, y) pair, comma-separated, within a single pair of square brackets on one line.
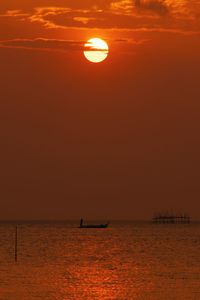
[(57, 261)]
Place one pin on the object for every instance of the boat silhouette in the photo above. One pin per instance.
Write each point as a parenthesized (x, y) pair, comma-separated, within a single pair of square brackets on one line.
[(92, 225)]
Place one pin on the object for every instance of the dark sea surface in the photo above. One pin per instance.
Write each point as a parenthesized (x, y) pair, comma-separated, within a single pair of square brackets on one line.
[(129, 260)]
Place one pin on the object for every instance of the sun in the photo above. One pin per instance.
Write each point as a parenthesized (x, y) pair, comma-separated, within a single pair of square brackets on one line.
[(96, 50)]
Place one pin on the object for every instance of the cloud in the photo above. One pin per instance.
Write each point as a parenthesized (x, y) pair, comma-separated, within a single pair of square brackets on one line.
[(156, 6), (130, 7), (14, 13), (43, 44), (131, 15), (55, 18), (122, 7), (122, 14)]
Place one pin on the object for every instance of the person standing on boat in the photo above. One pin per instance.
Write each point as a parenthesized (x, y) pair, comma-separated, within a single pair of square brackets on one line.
[(81, 222)]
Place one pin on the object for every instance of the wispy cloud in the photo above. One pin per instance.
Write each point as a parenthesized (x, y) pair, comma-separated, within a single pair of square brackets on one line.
[(122, 6), (44, 14), (153, 6), (15, 13), (122, 14), (43, 44), (166, 15)]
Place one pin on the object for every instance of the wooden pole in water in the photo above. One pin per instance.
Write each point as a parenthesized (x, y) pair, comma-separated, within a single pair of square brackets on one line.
[(16, 243)]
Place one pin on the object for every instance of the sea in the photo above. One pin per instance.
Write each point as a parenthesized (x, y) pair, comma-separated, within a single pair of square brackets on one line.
[(128, 260)]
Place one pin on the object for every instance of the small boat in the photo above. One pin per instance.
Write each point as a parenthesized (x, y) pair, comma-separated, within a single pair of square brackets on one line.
[(92, 225), (95, 226)]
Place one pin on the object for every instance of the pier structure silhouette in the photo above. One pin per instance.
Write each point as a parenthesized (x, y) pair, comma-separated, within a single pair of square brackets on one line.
[(170, 218)]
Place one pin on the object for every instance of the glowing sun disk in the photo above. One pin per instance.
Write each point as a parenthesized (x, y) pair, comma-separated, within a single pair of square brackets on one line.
[(96, 50)]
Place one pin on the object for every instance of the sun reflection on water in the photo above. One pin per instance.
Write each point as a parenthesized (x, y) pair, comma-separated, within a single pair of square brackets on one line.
[(119, 263)]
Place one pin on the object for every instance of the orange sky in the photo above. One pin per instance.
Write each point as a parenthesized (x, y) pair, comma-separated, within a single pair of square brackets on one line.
[(115, 140)]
